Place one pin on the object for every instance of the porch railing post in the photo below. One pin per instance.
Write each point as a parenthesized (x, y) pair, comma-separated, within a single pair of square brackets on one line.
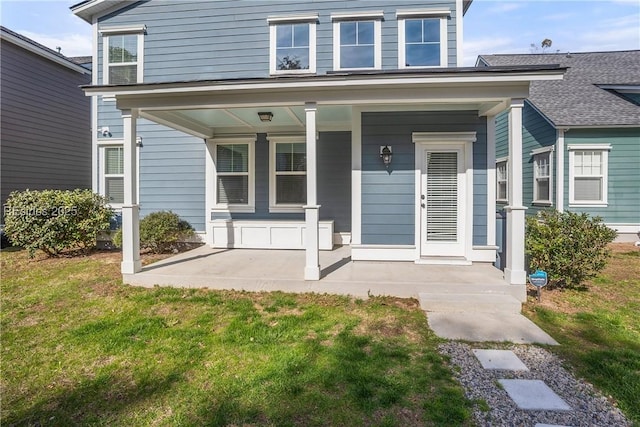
[(130, 210), (514, 271), (311, 209)]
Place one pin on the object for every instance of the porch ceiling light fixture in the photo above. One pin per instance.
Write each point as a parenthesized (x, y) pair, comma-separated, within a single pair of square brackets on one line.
[(265, 116), (386, 153)]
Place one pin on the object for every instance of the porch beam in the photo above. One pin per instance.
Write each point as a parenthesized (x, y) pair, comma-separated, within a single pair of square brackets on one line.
[(311, 209), (515, 270), (130, 210)]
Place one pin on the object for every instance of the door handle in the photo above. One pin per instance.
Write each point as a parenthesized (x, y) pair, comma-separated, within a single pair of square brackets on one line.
[(422, 204)]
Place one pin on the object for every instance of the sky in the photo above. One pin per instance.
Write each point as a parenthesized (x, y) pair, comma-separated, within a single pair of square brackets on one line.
[(490, 26)]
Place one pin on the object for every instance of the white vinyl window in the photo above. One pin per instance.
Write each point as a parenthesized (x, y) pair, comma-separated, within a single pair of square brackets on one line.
[(292, 45), (357, 41), (288, 174), (501, 180), (542, 176), (113, 174), (422, 39), (234, 171), (123, 51), (588, 170)]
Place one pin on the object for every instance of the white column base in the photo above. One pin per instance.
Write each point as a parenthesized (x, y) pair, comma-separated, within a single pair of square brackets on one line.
[(515, 270), (312, 250), (131, 263), (515, 277)]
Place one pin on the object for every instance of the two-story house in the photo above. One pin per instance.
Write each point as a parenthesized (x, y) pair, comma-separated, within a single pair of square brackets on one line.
[(278, 124)]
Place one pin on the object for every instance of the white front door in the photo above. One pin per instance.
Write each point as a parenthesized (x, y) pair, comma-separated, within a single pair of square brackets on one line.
[(442, 201)]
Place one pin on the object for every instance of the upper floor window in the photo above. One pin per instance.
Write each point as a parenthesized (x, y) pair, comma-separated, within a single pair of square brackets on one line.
[(422, 39), (292, 45), (357, 41), (501, 180), (123, 51), (288, 177), (542, 176), (588, 170), (234, 169)]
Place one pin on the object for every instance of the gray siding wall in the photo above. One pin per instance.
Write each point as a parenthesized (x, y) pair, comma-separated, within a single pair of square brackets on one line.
[(334, 182), (194, 40), (45, 124), (389, 195), (624, 173)]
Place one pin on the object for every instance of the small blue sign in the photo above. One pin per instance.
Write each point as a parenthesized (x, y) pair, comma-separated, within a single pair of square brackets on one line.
[(538, 279)]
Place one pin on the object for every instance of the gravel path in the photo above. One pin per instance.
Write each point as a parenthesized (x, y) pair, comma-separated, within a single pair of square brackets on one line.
[(589, 408)]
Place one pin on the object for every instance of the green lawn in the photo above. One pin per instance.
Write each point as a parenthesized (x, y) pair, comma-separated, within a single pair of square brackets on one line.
[(78, 347), (599, 328)]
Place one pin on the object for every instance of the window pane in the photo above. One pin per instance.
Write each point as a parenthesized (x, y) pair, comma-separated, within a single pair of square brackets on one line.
[(588, 189), (123, 48), (502, 190), (233, 189), (114, 160), (232, 158), (123, 74), (543, 189), (291, 189), (422, 55), (292, 58), (301, 35), (365, 32), (347, 33), (357, 57), (284, 36), (413, 31), (114, 190), (291, 157), (431, 30)]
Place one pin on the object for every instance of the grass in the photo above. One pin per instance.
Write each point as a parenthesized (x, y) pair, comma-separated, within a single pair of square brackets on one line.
[(598, 327), (78, 347)]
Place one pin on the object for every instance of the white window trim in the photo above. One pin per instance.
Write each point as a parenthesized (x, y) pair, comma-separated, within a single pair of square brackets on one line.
[(534, 154), (311, 20), (250, 207), (403, 16), (273, 206), (504, 160), (117, 31), (377, 42), (604, 148)]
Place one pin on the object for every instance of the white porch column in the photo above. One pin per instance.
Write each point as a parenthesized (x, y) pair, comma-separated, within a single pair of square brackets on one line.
[(130, 210), (491, 180), (311, 209), (514, 271)]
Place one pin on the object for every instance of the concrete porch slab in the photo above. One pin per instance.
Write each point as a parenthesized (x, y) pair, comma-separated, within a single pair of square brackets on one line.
[(534, 395), (499, 359)]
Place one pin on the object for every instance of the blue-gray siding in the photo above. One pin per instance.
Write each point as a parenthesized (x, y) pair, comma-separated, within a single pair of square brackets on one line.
[(389, 195), (334, 182), (45, 124), (191, 40)]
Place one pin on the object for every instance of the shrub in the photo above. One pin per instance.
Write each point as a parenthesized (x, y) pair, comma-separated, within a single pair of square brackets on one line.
[(160, 232), (570, 247), (55, 220)]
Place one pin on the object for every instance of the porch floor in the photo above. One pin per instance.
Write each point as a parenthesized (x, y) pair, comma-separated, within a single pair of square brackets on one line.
[(282, 270)]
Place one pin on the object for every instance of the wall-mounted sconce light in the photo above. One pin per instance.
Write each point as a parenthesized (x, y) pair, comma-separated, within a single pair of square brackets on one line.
[(139, 141), (265, 116), (386, 154), (104, 131)]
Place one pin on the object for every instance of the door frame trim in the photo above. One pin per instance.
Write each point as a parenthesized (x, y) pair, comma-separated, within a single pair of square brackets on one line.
[(464, 141)]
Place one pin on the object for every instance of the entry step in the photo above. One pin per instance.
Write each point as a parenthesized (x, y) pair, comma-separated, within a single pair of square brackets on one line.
[(440, 260), (483, 303)]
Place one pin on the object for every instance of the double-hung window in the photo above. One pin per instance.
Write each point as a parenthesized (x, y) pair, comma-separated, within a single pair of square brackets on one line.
[(123, 51), (292, 44), (422, 38), (588, 170), (234, 186), (357, 41), (288, 178), (502, 180), (542, 176), (113, 173)]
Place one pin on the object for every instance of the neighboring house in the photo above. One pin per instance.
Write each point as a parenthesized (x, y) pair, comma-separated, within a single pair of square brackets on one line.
[(581, 137), (45, 118), (300, 125)]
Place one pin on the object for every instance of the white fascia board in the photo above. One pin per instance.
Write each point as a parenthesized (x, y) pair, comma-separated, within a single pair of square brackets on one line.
[(98, 8), (343, 16), (309, 17), (415, 13), (543, 150), (622, 88), (123, 29), (571, 147), (44, 53)]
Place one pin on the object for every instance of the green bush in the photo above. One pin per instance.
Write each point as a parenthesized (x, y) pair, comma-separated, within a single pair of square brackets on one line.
[(55, 220), (160, 232), (570, 247)]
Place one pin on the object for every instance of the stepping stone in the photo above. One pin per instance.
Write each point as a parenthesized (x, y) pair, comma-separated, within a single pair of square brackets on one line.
[(500, 359), (534, 395)]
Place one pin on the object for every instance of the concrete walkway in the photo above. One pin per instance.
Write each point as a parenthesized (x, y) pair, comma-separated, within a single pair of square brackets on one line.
[(471, 303)]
